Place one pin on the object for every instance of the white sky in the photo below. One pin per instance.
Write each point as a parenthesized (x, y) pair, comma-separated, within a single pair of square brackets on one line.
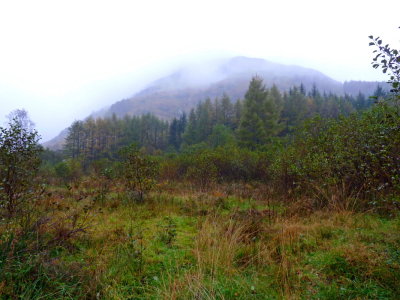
[(61, 60)]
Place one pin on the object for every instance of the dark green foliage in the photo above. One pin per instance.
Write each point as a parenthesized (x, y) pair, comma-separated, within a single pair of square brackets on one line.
[(69, 170), (225, 163), (190, 136), (252, 130), (273, 108), (51, 157), (295, 109), (346, 160), (362, 103), (225, 112), (207, 115), (205, 118), (139, 172), (221, 135), (19, 163), (173, 138), (62, 171), (359, 154)]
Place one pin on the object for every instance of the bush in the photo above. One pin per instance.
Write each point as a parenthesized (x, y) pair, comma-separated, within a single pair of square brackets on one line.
[(202, 171), (358, 154), (139, 171), (69, 170), (225, 163)]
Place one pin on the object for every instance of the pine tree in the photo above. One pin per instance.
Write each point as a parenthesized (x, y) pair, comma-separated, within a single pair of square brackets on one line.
[(182, 122), (205, 120), (190, 137), (237, 113), (227, 114), (173, 134), (273, 108), (360, 102), (302, 89), (295, 108), (251, 132)]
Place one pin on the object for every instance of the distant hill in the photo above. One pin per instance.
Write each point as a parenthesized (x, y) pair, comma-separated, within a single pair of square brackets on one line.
[(169, 96)]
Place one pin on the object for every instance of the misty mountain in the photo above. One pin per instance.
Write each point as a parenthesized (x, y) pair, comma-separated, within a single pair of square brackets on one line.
[(169, 96)]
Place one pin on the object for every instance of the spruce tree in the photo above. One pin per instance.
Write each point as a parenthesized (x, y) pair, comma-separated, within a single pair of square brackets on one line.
[(205, 120), (173, 134), (252, 131), (273, 108), (237, 113), (182, 122), (227, 114), (189, 137)]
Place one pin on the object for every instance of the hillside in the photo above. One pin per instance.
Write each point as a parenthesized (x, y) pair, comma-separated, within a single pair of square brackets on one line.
[(169, 96)]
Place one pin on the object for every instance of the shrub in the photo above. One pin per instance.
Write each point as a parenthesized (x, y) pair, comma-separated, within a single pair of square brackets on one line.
[(359, 154), (202, 171), (19, 164), (69, 170), (139, 171)]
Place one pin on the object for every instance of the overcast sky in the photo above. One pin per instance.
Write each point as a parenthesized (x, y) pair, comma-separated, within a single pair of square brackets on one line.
[(61, 60)]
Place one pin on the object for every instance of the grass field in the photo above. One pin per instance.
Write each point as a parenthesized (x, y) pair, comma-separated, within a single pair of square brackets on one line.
[(228, 243)]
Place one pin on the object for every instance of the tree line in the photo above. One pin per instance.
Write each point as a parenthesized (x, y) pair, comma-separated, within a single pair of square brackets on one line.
[(251, 122)]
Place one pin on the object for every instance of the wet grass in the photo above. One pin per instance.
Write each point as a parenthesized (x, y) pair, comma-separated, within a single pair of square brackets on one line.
[(193, 245)]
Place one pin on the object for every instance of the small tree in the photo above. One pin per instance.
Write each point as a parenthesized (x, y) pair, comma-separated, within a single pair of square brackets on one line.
[(202, 170), (19, 162), (139, 171)]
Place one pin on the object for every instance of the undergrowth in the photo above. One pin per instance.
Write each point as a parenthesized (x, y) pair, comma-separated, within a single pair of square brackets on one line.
[(185, 244)]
